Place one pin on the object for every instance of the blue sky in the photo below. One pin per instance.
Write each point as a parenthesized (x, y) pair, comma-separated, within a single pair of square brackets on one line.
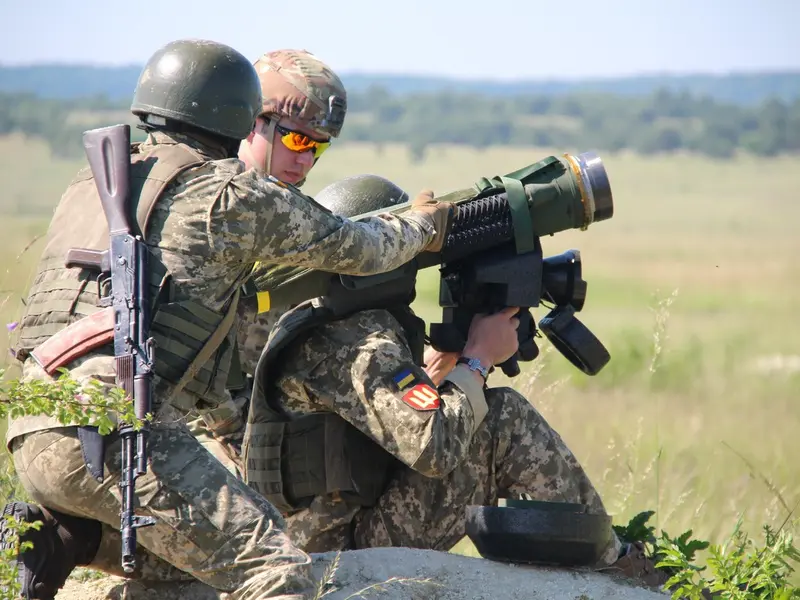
[(517, 39)]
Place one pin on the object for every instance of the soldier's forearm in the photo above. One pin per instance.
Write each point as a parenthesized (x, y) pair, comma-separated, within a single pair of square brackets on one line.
[(471, 384), (381, 244)]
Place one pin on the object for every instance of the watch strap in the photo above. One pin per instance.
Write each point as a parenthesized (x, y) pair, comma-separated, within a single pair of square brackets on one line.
[(473, 364)]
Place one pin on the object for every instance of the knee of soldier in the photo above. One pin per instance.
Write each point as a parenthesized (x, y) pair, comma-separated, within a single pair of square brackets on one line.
[(507, 404), (45, 460)]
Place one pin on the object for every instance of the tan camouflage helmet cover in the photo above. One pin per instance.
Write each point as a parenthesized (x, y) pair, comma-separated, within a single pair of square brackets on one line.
[(298, 85)]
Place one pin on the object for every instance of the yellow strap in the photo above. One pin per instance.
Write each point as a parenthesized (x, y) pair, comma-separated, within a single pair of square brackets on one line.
[(263, 302)]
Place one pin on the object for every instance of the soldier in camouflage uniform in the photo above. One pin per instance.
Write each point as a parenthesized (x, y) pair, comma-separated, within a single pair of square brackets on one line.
[(289, 137), (206, 220), (450, 440), (286, 142), (296, 87)]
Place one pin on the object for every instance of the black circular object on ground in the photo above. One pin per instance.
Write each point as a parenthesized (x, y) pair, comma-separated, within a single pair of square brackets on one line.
[(534, 532)]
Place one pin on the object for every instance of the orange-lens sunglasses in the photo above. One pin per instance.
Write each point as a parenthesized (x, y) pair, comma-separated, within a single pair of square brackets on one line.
[(300, 142)]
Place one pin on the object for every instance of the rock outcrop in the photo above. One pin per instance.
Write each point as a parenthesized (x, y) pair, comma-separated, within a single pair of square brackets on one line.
[(404, 574)]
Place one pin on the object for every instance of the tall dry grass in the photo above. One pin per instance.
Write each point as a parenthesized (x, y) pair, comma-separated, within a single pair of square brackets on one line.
[(693, 287)]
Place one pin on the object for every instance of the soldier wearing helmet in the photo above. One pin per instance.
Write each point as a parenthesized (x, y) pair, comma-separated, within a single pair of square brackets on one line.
[(304, 106), (386, 443), (207, 220)]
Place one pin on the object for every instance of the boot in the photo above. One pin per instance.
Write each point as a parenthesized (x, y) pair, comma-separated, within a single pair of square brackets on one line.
[(62, 543)]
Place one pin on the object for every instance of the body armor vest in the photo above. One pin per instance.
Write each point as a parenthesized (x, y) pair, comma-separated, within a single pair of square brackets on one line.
[(291, 459), (185, 332)]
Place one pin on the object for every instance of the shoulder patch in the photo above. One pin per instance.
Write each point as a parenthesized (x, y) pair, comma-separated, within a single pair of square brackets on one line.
[(422, 397), (404, 378)]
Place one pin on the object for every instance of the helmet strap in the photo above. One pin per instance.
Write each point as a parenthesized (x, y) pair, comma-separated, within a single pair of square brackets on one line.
[(246, 151), (270, 138)]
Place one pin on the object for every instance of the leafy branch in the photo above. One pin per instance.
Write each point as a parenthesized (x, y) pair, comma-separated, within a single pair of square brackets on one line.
[(71, 402), (9, 585)]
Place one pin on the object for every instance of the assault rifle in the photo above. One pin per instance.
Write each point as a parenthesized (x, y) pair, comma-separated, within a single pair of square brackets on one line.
[(492, 258), (108, 152)]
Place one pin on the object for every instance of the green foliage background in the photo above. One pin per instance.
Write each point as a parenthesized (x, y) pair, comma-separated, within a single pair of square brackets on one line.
[(716, 117)]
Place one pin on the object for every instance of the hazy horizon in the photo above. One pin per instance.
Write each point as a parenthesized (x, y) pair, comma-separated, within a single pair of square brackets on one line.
[(464, 77), (525, 39)]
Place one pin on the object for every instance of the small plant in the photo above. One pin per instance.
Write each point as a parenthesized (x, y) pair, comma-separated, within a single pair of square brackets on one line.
[(9, 585), (738, 569), (71, 402), (637, 529)]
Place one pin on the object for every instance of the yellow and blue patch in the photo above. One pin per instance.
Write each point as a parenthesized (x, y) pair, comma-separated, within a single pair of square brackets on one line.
[(404, 378)]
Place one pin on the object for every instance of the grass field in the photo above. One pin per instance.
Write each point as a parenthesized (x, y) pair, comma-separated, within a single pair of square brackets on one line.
[(693, 286)]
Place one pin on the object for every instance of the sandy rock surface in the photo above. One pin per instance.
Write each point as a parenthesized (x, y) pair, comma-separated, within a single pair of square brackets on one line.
[(450, 577)]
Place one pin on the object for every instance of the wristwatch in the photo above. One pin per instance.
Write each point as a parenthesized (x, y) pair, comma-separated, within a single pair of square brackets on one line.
[(473, 364)]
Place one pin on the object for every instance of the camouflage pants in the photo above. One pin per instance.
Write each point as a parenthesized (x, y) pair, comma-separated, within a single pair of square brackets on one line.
[(209, 524), (514, 452)]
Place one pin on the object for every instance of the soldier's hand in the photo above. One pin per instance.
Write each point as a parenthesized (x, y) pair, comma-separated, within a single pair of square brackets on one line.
[(493, 338), (440, 212), (439, 364)]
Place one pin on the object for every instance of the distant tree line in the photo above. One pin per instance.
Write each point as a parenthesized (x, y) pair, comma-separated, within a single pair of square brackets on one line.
[(662, 122), (60, 122)]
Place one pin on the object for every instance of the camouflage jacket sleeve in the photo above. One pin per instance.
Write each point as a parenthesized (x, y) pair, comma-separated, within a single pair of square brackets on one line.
[(362, 369), (256, 219)]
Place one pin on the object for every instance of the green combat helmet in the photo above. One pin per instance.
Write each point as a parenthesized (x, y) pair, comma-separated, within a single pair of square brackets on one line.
[(201, 83), (360, 194)]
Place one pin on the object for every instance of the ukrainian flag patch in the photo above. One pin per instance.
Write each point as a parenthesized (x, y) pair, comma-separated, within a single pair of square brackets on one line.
[(404, 378)]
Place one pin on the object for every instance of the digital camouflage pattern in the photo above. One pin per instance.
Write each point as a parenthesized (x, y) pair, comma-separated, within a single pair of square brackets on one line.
[(208, 523), (298, 85), (255, 327), (361, 368), (295, 84), (209, 228), (220, 430), (348, 367), (217, 220), (253, 334)]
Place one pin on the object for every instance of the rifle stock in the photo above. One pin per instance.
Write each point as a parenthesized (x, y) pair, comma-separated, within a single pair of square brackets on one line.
[(108, 152)]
